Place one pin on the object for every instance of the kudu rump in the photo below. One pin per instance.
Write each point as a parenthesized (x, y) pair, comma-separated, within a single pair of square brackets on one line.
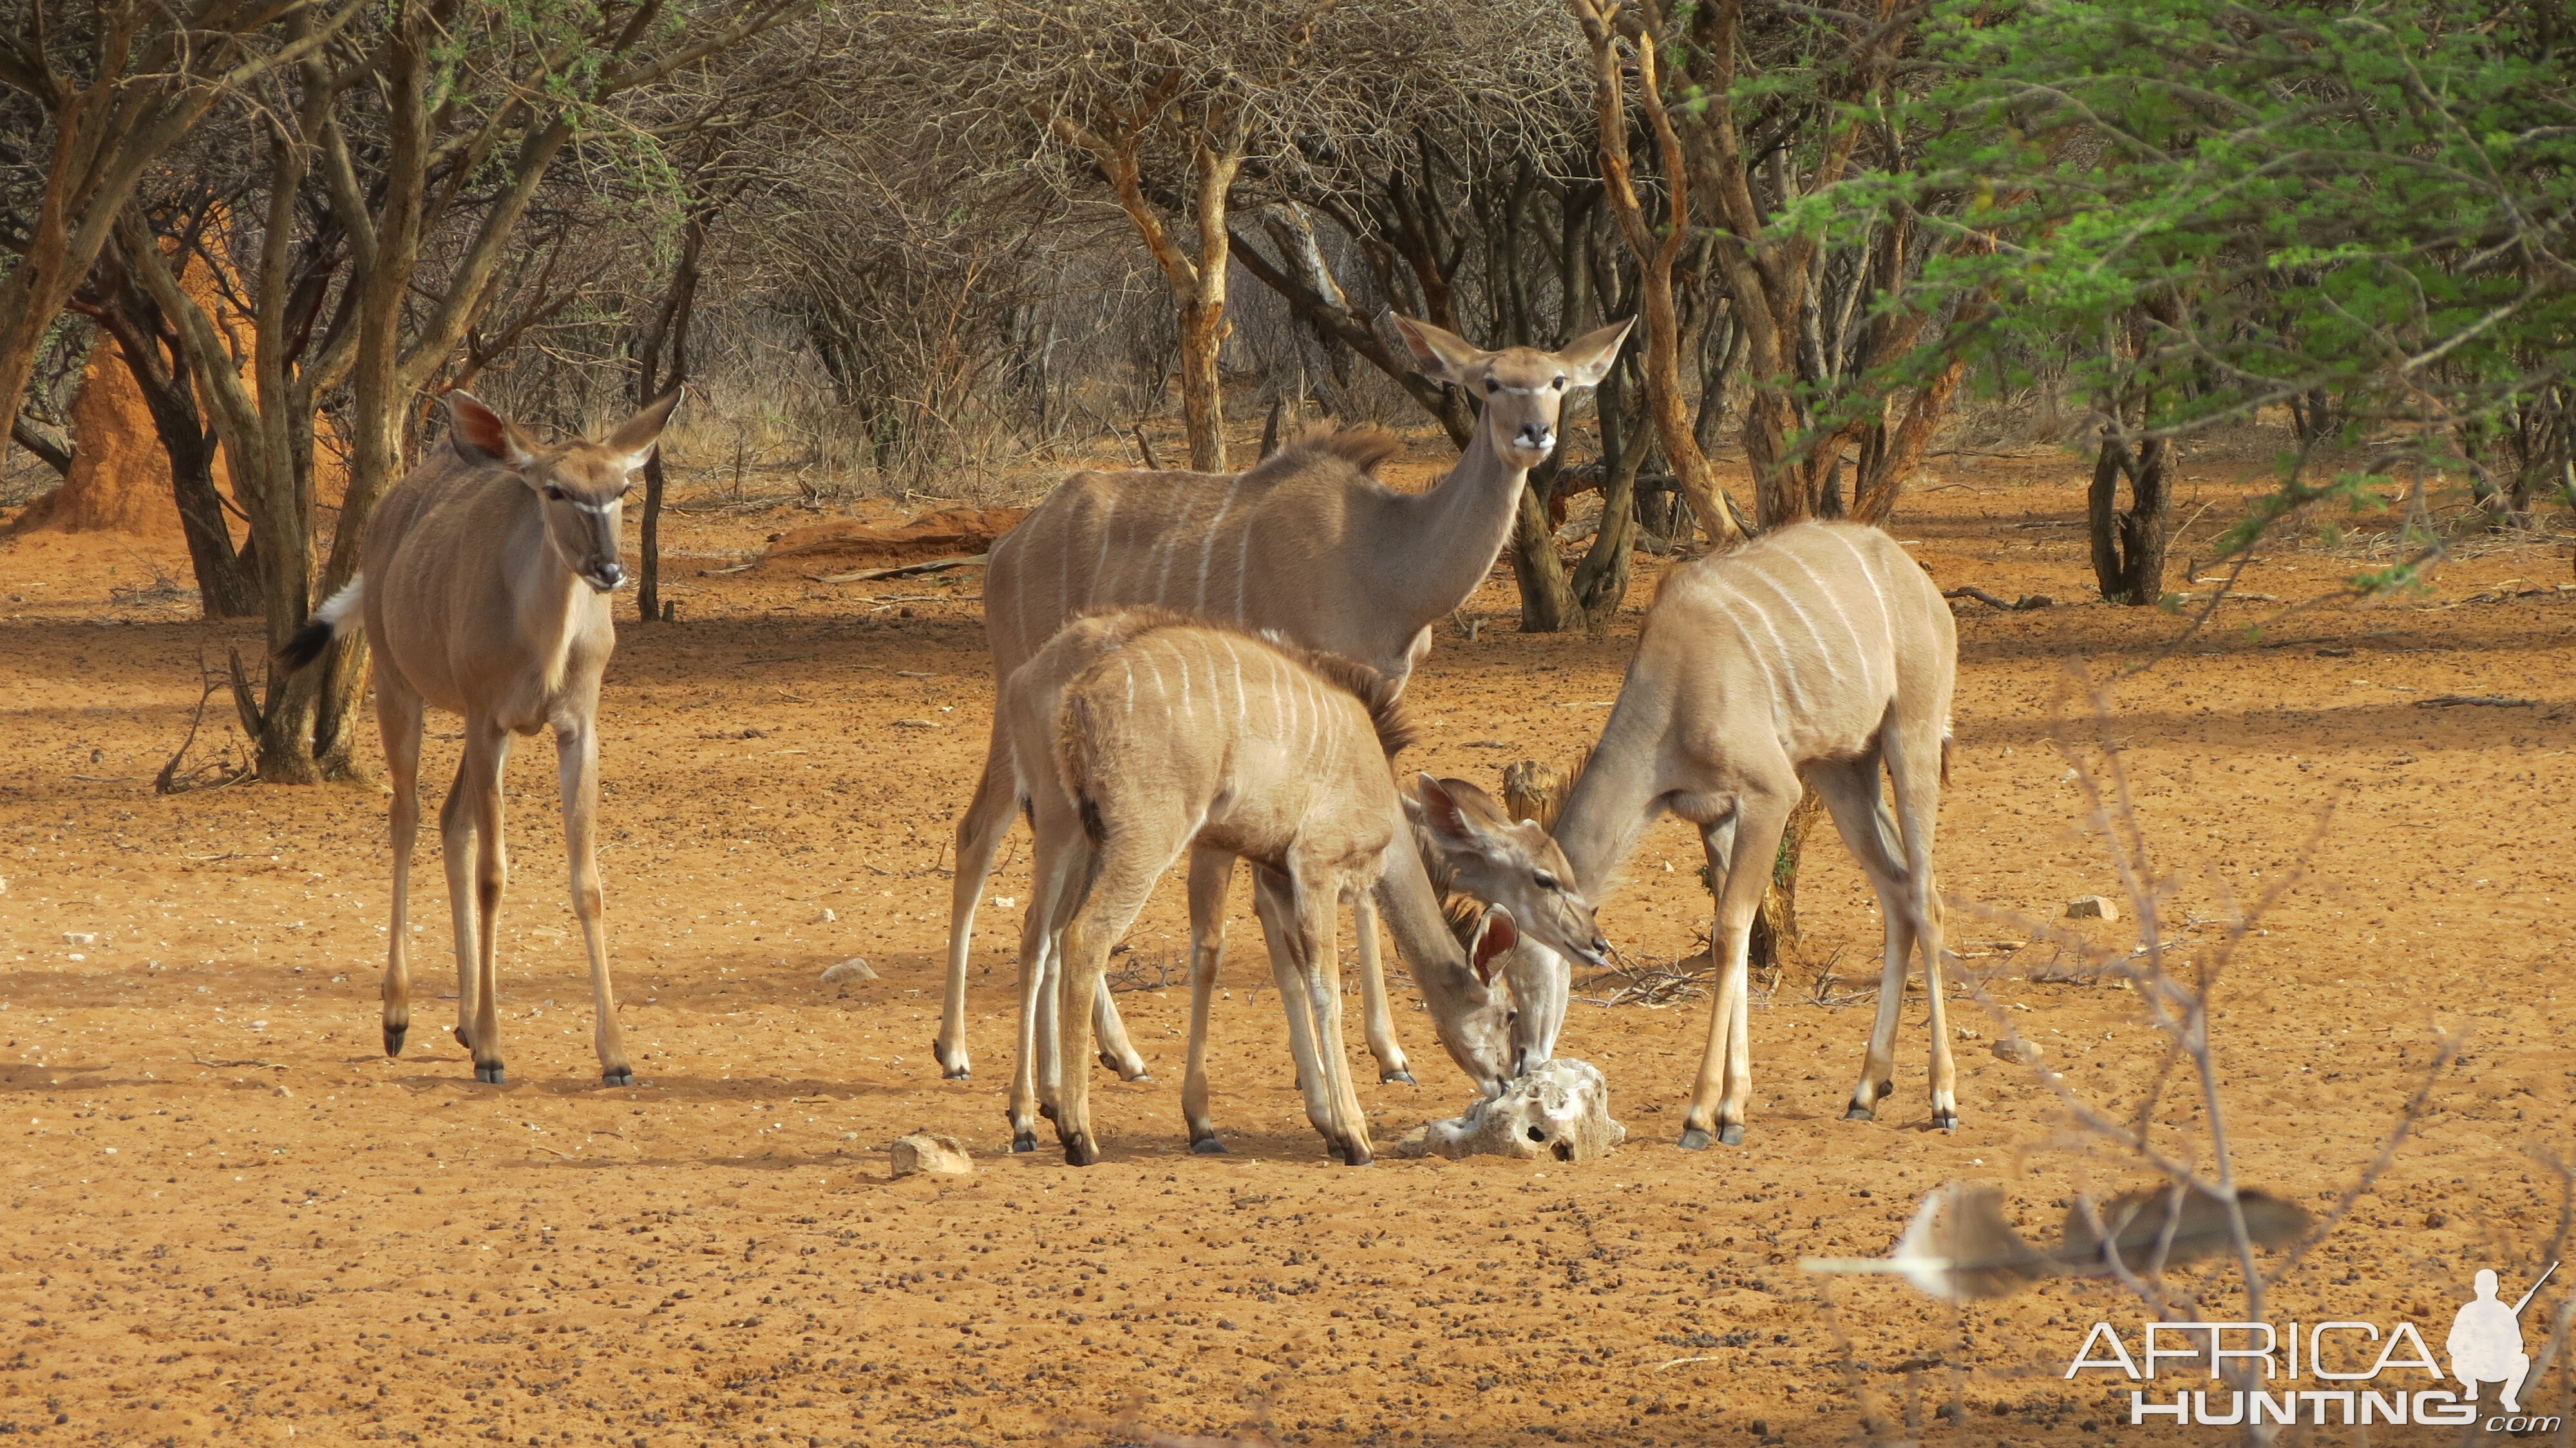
[(1309, 544), (485, 592)]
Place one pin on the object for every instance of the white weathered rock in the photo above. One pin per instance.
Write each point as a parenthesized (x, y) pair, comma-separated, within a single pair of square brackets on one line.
[(1558, 1112), (2091, 907), (823, 916), (854, 968), (937, 1155), (80, 937), (2018, 1051)]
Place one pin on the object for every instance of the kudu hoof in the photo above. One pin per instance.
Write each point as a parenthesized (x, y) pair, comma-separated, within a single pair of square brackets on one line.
[(1694, 1139), (1946, 1120), (1079, 1151), (957, 1072), (1858, 1112), (1731, 1134), (394, 1038), (492, 1075), (1207, 1146), (1024, 1141), (1399, 1075), (620, 1076), (462, 1038), (1137, 1072)]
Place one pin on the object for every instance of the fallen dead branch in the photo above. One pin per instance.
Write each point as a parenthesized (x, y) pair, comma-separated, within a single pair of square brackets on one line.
[(903, 570), (233, 1065), (222, 771), (2492, 701), (2023, 604)]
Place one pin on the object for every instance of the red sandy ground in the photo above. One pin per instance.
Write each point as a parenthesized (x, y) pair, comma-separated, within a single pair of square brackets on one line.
[(229, 1217)]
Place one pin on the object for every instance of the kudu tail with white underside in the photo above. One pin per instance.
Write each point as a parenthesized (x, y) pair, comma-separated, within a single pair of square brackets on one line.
[(1810, 658), (328, 623), (485, 593)]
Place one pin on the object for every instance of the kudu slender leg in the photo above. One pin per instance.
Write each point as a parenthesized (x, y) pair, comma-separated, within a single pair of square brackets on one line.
[(1211, 877), (398, 719), (1851, 795), (458, 845), (1273, 902), (1140, 850), (1116, 1051), (1914, 769), (1718, 1105), (1054, 879), (1318, 913), (1380, 1021), (577, 772), (487, 757), (979, 838)]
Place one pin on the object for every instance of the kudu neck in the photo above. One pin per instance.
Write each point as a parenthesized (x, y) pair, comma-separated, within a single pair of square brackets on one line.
[(1439, 545)]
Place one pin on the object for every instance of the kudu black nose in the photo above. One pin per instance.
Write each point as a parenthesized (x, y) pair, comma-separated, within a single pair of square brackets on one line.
[(1535, 435), (610, 575)]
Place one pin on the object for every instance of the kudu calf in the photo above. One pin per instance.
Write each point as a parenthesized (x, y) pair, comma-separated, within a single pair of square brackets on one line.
[(1819, 652), (1156, 735), (485, 592)]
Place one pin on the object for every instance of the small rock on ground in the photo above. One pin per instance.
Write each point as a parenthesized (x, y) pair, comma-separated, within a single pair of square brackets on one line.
[(2017, 1051), (854, 968), (2091, 907), (928, 1152)]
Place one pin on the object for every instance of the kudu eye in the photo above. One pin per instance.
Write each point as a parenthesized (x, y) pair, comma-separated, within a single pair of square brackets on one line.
[(1547, 881), (553, 493), (1492, 386), (1558, 384)]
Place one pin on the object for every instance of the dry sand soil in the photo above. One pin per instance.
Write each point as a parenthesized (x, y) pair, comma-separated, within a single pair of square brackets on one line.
[(228, 1217)]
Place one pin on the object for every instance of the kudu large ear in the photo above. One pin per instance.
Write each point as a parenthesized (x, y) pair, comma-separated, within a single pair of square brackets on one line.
[(1496, 934), (481, 435), (636, 437), (1587, 359), (1458, 814), (1439, 355)]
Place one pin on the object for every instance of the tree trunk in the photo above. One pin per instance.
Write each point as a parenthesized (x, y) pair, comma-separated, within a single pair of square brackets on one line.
[(1601, 580), (1655, 254), (665, 333), (1775, 928), (1202, 403), (148, 345), (1547, 603), (2129, 544)]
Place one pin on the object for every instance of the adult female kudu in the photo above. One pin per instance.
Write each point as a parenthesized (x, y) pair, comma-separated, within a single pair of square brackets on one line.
[(1521, 874), (485, 592), (1182, 735), (1818, 651), (1309, 544)]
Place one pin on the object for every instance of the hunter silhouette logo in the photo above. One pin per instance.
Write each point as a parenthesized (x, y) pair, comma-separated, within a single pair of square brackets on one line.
[(2486, 1341)]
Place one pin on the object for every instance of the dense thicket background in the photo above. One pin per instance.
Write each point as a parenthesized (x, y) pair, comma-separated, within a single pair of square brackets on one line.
[(916, 251)]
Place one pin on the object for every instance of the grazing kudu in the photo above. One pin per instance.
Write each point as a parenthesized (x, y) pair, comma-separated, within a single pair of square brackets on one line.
[(1819, 652), (1183, 736), (1469, 1018), (1309, 544), (484, 592)]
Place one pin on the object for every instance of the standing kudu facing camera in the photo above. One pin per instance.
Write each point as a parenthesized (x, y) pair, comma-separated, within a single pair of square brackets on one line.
[(485, 593)]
